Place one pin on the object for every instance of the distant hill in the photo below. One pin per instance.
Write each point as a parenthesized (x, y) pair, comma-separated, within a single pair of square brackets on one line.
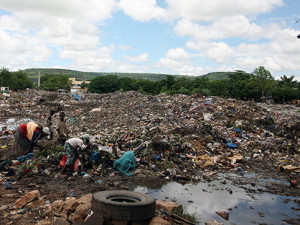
[(217, 75), (33, 74)]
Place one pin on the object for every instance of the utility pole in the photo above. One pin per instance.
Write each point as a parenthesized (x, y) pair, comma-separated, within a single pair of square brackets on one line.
[(39, 78)]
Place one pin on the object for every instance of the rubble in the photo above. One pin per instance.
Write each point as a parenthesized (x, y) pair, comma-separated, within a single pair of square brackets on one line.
[(223, 214), (180, 138), (169, 206), (30, 196)]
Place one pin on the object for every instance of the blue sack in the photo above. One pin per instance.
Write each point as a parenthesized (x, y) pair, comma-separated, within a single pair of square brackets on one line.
[(231, 145)]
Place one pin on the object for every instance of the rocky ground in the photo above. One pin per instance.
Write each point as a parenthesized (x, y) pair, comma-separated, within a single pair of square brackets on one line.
[(179, 138)]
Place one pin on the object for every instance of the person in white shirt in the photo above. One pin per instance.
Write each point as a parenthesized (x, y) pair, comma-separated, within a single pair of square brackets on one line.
[(71, 148)]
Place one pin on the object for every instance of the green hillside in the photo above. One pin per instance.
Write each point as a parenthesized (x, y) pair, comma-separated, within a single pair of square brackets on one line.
[(79, 75), (217, 75)]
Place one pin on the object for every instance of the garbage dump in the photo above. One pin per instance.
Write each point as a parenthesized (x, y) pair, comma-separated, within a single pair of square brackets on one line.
[(180, 138)]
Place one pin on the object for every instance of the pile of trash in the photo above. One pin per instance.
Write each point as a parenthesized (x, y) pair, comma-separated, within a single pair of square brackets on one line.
[(175, 137), (180, 138)]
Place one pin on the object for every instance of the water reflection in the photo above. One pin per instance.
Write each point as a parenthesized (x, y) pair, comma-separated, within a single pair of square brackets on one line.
[(204, 199), (12, 123)]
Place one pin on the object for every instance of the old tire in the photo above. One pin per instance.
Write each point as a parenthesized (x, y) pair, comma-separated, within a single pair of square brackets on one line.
[(123, 205)]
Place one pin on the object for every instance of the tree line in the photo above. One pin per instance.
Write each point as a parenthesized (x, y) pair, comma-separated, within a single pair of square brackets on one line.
[(14, 80), (241, 85)]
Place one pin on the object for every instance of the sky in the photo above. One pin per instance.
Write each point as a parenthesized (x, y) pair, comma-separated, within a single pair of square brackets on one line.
[(186, 37)]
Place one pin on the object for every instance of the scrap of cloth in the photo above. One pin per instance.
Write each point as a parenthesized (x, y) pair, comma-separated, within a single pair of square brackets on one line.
[(22, 143), (126, 164), (31, 126)]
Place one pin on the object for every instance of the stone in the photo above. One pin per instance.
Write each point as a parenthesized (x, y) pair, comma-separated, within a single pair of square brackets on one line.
[(213, 222), (159, 221), (70, 205), (81, 212), (37, 203), (48, 212), (30, 196), (223, 214), (57, 205), (169, 206), (86, 198)]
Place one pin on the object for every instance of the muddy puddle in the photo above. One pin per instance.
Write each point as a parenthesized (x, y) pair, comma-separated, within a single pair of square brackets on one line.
[(12, 123), (246, 204)]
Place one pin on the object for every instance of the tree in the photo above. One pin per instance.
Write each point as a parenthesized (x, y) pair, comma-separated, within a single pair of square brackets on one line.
[(128, 84), (288, 82), (53, 82), (238, 84), (23, 81), (182, 85), (84, 85), (5, 77), (219, 88), (15, 80), (105, 84), (263, 79), (147, 86)]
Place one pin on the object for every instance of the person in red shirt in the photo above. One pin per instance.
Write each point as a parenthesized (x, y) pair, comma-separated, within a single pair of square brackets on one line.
[(26, 137)]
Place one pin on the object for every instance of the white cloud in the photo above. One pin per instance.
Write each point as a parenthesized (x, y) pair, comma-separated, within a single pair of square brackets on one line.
[(140, 58), (203, 10), (178, 61), (142, 10), (278, 54), (237, 26), (178, 54), (91, 10), (124, 47), (33, 31), (70, 26), (89, 60), (220, 52), (16, 51)]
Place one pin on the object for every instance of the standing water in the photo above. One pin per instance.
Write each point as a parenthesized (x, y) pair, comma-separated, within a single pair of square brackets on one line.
[(203, 200), (12, 123)]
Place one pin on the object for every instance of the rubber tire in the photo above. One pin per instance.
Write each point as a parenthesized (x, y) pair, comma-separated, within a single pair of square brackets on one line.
[(138, 206)]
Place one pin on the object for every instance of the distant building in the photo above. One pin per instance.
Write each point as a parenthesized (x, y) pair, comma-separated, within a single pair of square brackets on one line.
[(4, 89), (76, 85)]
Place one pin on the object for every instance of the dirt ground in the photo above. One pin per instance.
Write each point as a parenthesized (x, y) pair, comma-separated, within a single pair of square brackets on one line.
[(190, 134)]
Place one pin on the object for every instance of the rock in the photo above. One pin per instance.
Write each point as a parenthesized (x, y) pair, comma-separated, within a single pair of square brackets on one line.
[(159, 221), (70, 205), (81, 212), (213, 222), (38, 203), (48, 212), (57, 205), (169, 206), (223, 214), (30, 196), (86, 198)]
